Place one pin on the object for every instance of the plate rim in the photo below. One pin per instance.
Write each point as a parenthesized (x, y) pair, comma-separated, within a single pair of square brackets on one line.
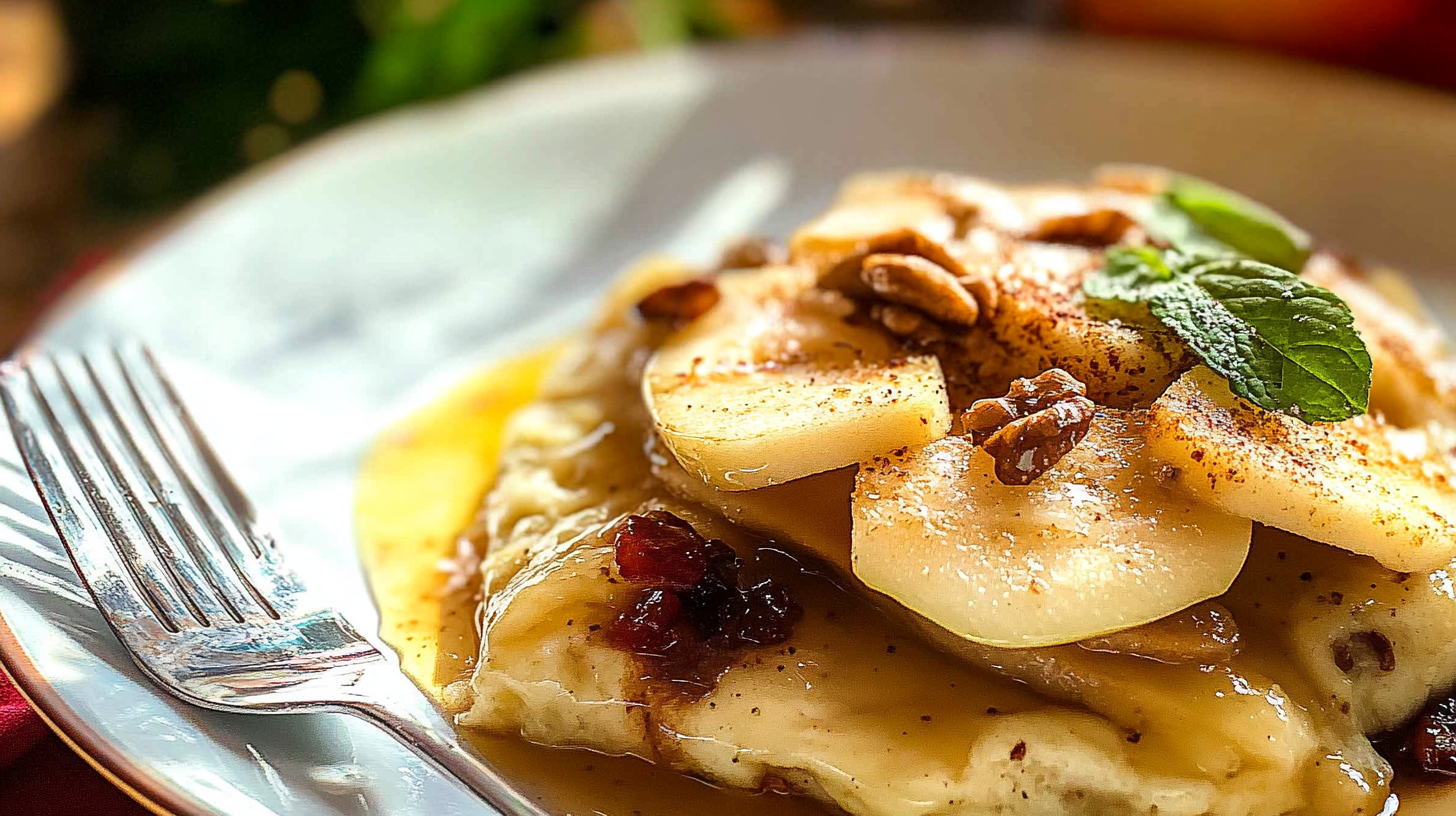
[(67, 725), (160, 797), (532, 81)]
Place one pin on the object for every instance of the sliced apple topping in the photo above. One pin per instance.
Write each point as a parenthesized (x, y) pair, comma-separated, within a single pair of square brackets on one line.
[(1414, 371), (1101, 542), (1202, 634), (772, 384), (810, 514), (1022, 254), (1361, 485)]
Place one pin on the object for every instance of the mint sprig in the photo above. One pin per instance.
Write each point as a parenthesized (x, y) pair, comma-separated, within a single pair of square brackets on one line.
[(1282, 343), (1202, 218), (1223, 279)]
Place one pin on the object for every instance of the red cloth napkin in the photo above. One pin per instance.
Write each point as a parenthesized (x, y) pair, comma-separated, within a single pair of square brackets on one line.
[(20, 728), (40, 776)]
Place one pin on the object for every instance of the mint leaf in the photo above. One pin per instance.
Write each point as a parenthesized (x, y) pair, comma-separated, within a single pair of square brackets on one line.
[(1129, 274), (1228, 289), (1169, 224), (1201, 218), (1282, 343), (1299, 351), (1130, 277)]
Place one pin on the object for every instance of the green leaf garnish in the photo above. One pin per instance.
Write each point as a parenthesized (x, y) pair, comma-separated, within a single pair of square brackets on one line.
[(1301, 354), (1201, 218), (1130, 272), (1282, 343)]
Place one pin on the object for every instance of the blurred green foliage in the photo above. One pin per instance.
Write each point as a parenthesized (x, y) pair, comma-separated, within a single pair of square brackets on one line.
[(191, 89), (432, 48)]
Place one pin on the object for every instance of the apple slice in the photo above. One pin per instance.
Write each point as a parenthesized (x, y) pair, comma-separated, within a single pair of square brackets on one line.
[(1361, 485), (1098, 544), (772, 384)]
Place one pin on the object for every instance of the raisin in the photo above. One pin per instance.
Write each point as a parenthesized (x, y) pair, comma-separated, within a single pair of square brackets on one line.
[(660, 549), (693, 602), (710, 602), (1432, 739), (1427, 744), (767, 615), (649, 625)]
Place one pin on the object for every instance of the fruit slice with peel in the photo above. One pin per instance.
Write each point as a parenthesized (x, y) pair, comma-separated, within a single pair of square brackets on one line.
[(1098, 544), (809, 514), (1414, 378), (773, 384), (1015, 250), (1361, 485)]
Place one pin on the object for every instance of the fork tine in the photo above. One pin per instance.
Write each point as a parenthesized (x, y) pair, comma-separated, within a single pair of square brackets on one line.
[(196, 571), (239, 507), (181, 571), (96, 534), (181, 453)]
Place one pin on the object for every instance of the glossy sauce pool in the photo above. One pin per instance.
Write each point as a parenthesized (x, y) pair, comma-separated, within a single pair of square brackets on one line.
[(419, 489)]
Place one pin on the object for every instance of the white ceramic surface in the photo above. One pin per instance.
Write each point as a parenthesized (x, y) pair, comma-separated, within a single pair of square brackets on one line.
[(308, 306)]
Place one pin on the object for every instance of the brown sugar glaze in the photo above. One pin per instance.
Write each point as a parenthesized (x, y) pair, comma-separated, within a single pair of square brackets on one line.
[(419, 489)]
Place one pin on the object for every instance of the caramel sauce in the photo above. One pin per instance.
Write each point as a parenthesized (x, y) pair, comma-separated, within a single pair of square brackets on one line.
[(418, 493)]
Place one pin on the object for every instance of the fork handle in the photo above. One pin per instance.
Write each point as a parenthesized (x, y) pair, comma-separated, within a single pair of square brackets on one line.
[(437, 745)]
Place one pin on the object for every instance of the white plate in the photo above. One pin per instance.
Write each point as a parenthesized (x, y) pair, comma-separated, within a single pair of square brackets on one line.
[(305, 308)]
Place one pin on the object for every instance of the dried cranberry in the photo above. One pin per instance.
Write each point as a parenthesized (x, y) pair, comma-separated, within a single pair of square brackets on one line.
[(1433, 739), (661, 549), (695, 604), (649, 626)]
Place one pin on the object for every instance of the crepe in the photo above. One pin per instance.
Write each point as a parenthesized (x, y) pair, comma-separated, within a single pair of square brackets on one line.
[(875, 710)]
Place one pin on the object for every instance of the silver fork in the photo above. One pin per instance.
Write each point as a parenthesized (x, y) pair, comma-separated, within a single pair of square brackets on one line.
[(172, 551)]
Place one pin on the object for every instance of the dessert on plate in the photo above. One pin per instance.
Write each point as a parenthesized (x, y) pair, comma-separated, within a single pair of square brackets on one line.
[(1125, 498)]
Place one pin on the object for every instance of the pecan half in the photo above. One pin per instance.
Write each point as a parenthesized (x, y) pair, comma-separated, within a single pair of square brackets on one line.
[(922, 284), (680, 303), (1030, 429), (847, 274), (752, 253), (1095, 228), (905, 322)]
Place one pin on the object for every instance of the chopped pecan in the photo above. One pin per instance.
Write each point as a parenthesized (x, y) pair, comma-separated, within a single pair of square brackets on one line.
[(922, 284), (752, 253), (680, 303), (1030, 429), (1102, 227), (847, 275), (903, 321), (1025, 397)]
